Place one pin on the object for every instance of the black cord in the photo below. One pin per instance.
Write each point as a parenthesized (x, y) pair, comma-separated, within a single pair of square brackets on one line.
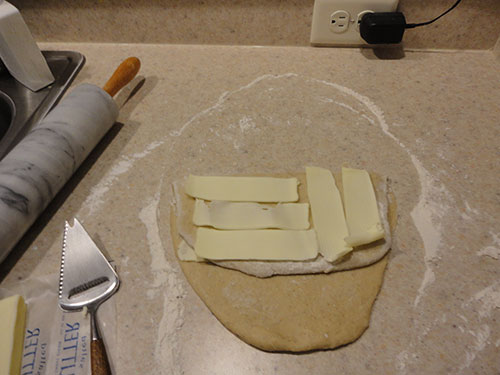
[(412, 25)]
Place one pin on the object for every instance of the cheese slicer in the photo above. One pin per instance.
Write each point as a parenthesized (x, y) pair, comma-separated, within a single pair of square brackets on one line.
[(86, 280)]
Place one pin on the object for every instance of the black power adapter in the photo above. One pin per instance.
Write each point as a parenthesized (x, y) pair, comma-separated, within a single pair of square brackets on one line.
[(388, 28), (382, 28)]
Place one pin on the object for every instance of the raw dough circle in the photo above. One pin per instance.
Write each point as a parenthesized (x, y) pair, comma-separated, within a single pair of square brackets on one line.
[(282, 313)]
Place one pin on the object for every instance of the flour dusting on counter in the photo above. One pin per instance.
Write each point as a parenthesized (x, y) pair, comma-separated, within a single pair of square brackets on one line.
[(433, 206), (434, 201), (159, 263), (481, 337), (347, 107), (480, 306), (489, 299), (167, 285), (224, 97), (97, 193), (470, 209), (492, 250), (370, 120), (405, 357), (246, 123)]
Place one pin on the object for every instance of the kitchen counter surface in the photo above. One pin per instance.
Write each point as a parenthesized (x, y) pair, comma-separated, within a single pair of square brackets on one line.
[(428, 121)]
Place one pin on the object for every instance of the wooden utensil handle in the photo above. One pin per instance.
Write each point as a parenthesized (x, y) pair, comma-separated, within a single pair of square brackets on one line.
[(125, 73), (99, 358)]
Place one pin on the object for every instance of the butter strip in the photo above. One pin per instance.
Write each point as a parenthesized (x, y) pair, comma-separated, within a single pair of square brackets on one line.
[(363, 219), (186, 253), (243, 189), (236, 215), (328, 213), (12, 323), (297, 245)]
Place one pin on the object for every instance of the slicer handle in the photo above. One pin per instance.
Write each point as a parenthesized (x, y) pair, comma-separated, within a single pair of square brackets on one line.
[(125, 73), (99, 358)]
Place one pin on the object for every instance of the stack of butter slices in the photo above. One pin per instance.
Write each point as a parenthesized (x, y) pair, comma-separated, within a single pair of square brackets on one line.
[(261, 226)]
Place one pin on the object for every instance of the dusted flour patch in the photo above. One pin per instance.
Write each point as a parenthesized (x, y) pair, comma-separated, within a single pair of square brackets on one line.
[(166, 286), (493, 250), (98, 192)]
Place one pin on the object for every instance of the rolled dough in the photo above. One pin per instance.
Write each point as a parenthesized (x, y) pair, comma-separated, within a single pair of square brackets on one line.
[(361, 256), (293, 313)]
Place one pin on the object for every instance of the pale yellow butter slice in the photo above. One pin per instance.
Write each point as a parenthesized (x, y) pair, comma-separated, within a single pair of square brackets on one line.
[(328, 213), (12, 323), (266, 244), (362, 215), (250, 215), (243, 189)]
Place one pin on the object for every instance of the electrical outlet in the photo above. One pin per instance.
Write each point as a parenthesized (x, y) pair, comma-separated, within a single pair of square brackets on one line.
[(339, 21), (336, 22)]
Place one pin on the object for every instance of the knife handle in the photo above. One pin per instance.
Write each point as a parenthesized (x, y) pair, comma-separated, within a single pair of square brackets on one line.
[(99, 358), (125, 73)]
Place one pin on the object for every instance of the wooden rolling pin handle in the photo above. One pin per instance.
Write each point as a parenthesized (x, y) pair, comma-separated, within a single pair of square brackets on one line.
[(98, 358), (122, 75)]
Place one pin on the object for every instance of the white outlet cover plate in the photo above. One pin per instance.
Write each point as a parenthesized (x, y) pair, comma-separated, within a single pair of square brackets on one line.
[(324, 33)]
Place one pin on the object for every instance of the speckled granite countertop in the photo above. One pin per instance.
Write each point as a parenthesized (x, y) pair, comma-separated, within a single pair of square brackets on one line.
[(429, 121)]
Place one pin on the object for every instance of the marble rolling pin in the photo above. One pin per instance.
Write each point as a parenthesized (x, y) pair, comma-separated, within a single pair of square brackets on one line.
[(38, 167)]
